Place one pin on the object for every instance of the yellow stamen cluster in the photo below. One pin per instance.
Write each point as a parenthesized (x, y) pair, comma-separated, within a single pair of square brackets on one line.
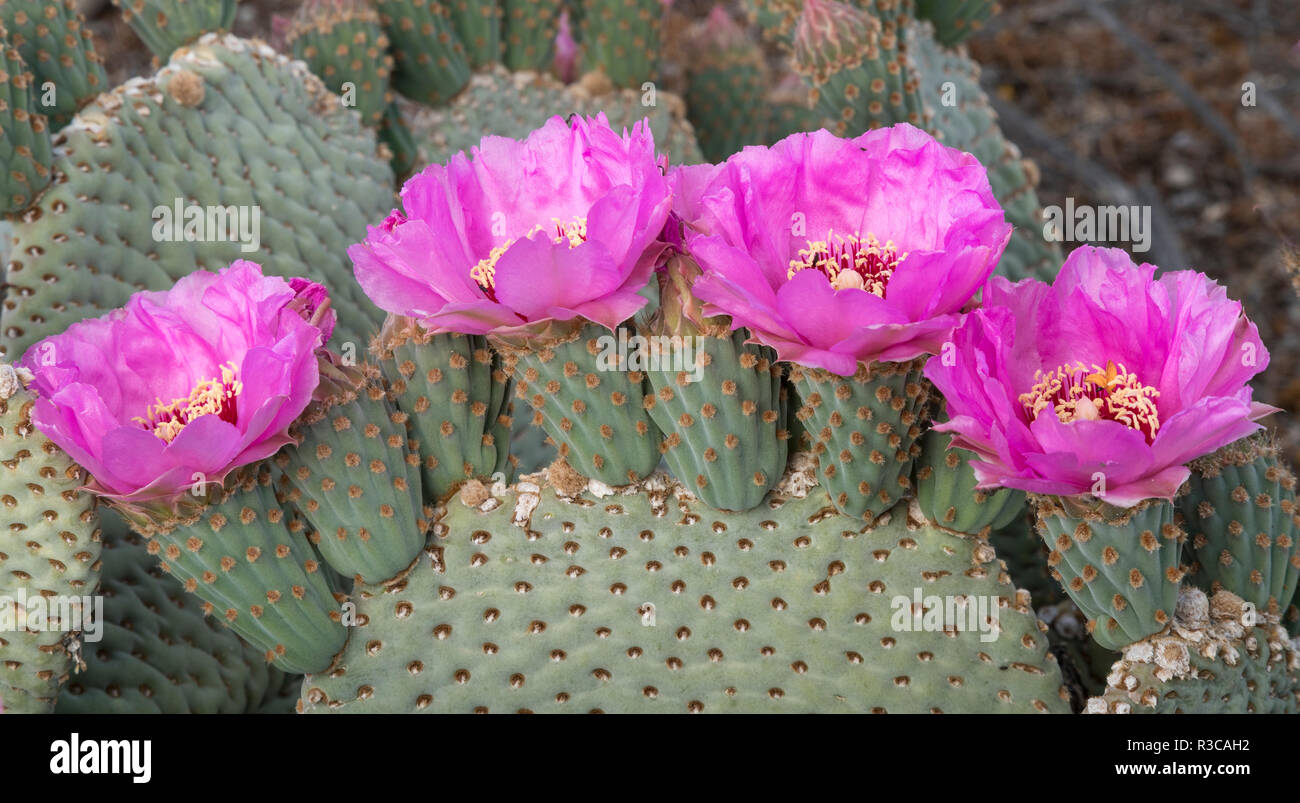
[(852, 261), (1110, 393), (209, 397), (485, 272)]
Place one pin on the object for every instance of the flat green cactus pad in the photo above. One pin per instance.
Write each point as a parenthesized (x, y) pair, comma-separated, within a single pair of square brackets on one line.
[(651, 602), (227, 126), (160, 653)]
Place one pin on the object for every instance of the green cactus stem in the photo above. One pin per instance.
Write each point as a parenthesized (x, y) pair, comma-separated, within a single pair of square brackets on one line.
[(1119, 565), (864, 431), (165, 25)]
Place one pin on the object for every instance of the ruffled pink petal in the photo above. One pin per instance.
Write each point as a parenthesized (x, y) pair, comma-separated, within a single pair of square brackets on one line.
[(1204, 427), (537, 274), (734, 285), (132, 458), (823, 316), (206, 445)]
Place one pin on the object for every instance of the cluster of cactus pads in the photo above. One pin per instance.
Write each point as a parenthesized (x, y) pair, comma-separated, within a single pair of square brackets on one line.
[(771, 537)]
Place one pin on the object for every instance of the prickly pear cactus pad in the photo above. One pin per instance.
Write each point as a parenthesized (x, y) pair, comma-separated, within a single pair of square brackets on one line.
[(259, 156), (728, 435), (477, 24), (955, 20), (52, 37), (864, 430), (431, 65), (528, 29), (648, 601), (25, 153), (1218, 660), (728, 79), (591, 401), (354, 478), (1241, 517), (343, 43), (161, 654), (254, 568), (165, 25), (946, 492), (454, 393), (855, 63), (622, 36), (49, 557), (1121, 566)]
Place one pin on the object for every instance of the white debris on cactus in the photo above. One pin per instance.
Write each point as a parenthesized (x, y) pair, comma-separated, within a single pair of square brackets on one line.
[(10, 382), (1209, 628), (530, 496), (800, 476), (1193, 608)]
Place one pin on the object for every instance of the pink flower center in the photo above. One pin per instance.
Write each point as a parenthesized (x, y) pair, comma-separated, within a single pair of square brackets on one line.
[(209, 397), (1111, 394), (485, 272), (850, 262)]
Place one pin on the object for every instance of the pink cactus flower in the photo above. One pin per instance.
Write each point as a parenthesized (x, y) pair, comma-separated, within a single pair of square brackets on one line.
[(837, 251), (196, 380), (1106, 382), (564, 225)]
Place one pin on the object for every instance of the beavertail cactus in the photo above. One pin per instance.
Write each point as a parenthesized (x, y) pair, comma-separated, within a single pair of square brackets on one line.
[(160, 654), (49, 555), (780, 440), (542, 281), (854, 311), (1216, 661), (528, 32), (343, 43), (169, 403), (728, 80), (24, 134), (622, 37), (165, 25), (1240, 515), (854, 60), (453, 392), (206, 200), (431, 64), (353, 476), (648, 601), (52, 38), (1103, 449), (719, 401)]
